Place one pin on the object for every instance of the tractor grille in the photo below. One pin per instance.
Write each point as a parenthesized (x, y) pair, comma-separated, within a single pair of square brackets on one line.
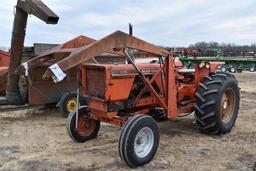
[(95, 81)]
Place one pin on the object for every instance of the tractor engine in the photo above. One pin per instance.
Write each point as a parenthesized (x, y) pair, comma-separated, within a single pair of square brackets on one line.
[(117, 88)]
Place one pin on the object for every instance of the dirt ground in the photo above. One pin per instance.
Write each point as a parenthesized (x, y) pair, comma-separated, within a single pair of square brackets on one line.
[(37, 140)]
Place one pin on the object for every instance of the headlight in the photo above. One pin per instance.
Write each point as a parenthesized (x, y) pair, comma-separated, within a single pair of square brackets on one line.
[(201, 65), (207, 65)]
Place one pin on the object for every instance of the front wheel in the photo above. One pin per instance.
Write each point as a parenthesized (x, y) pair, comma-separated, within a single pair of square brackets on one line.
[(217, 103), (139, 140), (87, 128)]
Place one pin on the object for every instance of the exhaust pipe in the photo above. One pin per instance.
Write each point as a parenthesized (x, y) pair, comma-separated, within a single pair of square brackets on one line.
[(23, 8), (130, 29)]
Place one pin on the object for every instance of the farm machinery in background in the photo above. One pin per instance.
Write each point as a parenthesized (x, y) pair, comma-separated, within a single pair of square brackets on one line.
[(231, 64), (16, 92), (189, 57), (29, 90)]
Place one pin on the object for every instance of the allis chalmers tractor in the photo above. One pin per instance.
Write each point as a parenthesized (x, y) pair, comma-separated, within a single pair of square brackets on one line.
[(134, 95)]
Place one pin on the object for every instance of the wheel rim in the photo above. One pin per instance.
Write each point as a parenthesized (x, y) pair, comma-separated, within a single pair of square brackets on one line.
[(144, 141), (85, 126), (227, 105), (233, 69), (252, 69), (223, 69), (71, 104)]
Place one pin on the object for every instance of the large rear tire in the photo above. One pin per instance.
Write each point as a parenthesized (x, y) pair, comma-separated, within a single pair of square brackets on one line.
[(139, 140), (87, 128), (217, 103)]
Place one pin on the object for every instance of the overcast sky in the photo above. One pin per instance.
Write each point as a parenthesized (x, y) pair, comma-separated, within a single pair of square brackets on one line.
[(162, 22)]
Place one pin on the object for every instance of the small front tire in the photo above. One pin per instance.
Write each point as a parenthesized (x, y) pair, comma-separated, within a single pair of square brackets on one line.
[(87, 128), (139, 140)]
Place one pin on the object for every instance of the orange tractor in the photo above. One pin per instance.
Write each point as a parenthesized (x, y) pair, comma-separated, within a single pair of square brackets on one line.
[(135, 96)]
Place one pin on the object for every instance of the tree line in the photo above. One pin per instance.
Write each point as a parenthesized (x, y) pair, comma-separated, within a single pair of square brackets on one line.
[(226, 49)]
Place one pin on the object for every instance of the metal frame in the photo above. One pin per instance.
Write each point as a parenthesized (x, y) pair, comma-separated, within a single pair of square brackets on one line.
[(72, 54), (113, 43), (23, 9)]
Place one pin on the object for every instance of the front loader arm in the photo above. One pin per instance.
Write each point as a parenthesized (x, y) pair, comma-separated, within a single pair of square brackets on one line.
[(58, 53), (115, 41)]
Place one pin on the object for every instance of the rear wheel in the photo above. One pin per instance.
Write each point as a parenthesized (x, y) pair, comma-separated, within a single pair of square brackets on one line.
[(139, 140), (87, 128), (217, 103)]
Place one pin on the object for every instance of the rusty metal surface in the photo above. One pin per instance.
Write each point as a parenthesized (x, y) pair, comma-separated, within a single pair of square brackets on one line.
[(130, 88), (146, 81), (115, 92), (23, 8), (95, 82), (19, 27), (46, 91), (4, 58), (115, 41), (113, 82), (3, 79), (63, 51), (57, 53), (38, 9)]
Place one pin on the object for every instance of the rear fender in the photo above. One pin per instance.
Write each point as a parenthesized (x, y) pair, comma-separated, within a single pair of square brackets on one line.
[(214, 66)]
